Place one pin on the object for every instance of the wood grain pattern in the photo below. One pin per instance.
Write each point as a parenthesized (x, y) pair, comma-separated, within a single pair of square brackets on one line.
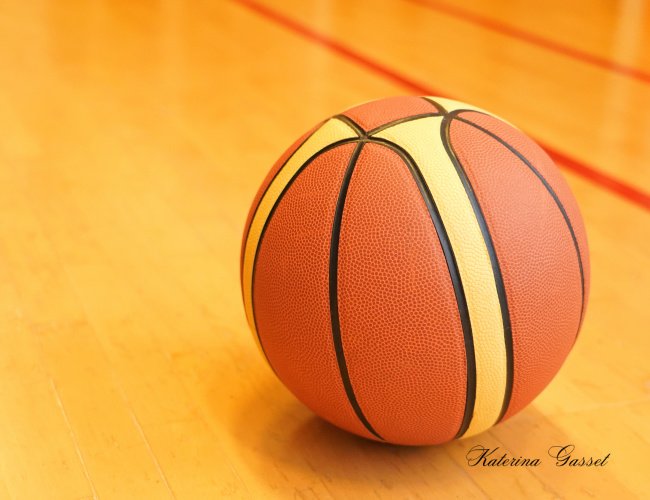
[(133, 138)]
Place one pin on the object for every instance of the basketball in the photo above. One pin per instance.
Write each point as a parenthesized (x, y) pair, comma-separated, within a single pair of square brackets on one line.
[(415, 270)]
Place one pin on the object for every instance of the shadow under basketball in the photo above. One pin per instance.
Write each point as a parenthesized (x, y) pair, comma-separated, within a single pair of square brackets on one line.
[(273, 426)]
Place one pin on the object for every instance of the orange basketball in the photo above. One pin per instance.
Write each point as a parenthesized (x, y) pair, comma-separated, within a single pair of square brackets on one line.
[(415, 270)]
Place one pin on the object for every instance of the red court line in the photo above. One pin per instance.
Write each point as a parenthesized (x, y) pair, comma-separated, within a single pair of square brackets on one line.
[(584, 170), (525, 36)]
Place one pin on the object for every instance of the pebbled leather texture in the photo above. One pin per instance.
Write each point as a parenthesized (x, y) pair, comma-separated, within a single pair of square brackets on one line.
[(290, 291), (400, 326)]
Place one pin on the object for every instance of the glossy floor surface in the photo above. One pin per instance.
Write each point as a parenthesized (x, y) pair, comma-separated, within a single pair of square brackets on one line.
[(133, 136)]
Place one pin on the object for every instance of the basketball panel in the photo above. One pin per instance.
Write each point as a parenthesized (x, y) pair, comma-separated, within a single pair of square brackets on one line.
[(400, 323), (422, 139), (536, 256), (290, 290), (373, 114), (549, 171)]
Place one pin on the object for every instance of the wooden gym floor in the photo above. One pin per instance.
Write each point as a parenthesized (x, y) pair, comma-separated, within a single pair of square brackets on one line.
[(133, 136)]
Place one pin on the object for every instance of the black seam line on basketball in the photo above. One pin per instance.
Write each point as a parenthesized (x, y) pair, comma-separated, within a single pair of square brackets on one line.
[(241, 264), (454, 273), (401, 120), (555, 197), (351, 123), (333, 292), (494, 261), (439, 106), (266, 224)]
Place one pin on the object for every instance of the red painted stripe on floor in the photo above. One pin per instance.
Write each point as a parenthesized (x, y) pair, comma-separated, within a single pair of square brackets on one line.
[(605, 181), (531, 38), (589, 173)]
